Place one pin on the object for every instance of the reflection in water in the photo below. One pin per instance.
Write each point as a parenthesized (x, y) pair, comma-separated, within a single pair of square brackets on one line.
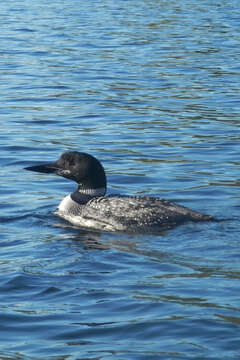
[(151, 88)]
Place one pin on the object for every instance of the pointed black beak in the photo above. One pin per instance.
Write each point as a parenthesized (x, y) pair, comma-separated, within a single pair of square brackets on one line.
[(50, 168)]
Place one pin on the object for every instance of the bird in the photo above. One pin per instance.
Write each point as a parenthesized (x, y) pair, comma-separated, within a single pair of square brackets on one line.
[(88, 206)]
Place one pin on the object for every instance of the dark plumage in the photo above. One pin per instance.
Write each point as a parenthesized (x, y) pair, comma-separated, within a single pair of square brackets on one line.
[(88, 207)]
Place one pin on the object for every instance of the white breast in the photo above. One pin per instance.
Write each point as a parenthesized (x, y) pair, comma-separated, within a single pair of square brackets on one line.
[(66, 205)]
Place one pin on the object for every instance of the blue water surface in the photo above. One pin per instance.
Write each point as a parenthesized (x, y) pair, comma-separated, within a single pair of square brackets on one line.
[(151, 88)]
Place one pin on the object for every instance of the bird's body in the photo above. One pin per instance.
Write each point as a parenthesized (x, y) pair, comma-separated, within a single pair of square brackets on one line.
[(88, 206), (127, 213)]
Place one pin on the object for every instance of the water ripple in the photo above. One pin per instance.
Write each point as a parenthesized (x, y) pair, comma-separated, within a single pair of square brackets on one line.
[(152, 90)]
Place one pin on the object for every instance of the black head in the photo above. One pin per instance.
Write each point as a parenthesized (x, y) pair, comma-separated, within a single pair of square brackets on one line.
[(82, 168)]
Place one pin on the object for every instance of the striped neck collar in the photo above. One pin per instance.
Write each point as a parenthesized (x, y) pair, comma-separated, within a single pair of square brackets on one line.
[(82, 196)]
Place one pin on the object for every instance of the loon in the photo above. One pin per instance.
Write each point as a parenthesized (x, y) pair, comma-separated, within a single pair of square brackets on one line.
[(88, 207)]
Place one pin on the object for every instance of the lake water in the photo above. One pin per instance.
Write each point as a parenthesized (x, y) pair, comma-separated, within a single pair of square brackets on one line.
[(151, 88)]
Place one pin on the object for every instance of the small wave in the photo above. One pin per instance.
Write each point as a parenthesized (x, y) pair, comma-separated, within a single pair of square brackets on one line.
[(8, 219)]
